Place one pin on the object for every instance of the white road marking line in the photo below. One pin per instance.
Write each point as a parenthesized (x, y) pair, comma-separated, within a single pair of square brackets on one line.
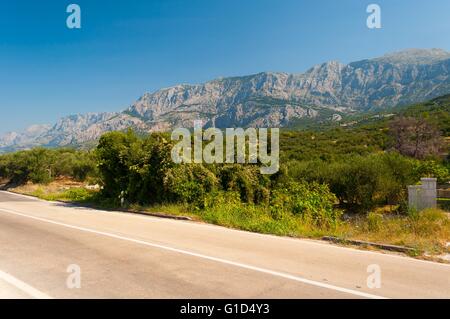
[(23, 196), (219, 260), (385, 254), (33, 292)]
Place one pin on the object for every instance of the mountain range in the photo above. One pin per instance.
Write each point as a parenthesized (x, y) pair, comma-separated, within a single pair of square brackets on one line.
[(327, 91)]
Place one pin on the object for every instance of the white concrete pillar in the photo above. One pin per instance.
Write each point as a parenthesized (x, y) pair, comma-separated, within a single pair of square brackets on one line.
[(429, 192), (414, 197)]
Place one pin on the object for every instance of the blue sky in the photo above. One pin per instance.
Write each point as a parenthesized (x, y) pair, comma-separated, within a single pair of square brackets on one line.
[(127, 48)]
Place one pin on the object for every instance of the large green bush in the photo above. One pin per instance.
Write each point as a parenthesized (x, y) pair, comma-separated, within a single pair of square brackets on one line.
[(116, 153), (246, 180), (313, 203), (142, 168), (189, 184)]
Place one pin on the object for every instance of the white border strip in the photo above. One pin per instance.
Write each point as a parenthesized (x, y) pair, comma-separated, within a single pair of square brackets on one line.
[(33, 292), (219, 260)]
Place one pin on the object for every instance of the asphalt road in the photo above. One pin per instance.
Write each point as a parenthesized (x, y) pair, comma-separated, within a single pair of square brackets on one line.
[(53, 250)]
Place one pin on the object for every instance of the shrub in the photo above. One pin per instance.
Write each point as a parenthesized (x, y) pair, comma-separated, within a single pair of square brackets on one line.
[(246, 180), (145, 183), (374, 221), (226, 208), (78, 194), (312, 202), (431, 168), (143, 169), (116, 152), (189, 183)]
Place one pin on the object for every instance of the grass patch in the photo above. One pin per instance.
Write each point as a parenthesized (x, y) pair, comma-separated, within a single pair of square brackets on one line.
[(77, 195), (258, 219)]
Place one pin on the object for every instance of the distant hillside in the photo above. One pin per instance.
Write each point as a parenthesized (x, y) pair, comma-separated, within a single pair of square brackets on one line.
[(359, 134), (436, 111)]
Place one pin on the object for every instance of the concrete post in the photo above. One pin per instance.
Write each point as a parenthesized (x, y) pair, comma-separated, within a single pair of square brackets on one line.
[(423, 196), (429, 192), (414, 194)]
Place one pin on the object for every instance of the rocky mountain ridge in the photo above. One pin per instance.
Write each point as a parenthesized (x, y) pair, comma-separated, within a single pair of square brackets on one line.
[(268, 99)]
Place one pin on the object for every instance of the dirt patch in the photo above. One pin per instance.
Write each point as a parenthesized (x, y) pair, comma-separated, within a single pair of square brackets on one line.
[(58, 185)]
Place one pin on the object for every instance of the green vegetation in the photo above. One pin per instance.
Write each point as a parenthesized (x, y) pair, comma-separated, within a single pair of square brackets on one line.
[(42, 165), (79, 195), (360, 170)]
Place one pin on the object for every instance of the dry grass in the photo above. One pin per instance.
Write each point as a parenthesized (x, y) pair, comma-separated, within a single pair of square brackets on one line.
[(59, 185), (426, 232)]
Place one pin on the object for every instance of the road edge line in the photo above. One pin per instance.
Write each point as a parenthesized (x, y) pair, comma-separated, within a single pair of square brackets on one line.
[(215, 259)]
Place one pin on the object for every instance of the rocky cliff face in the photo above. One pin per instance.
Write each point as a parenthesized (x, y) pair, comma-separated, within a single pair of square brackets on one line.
[(265, 99)]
